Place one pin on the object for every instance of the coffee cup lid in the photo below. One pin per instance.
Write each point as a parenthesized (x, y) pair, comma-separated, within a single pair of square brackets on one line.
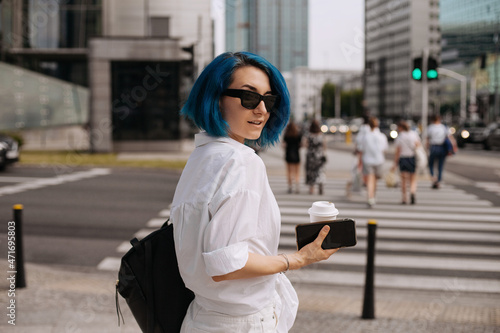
[(323, 208)]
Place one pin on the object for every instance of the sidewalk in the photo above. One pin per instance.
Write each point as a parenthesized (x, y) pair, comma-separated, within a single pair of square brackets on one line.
[(74, 299)]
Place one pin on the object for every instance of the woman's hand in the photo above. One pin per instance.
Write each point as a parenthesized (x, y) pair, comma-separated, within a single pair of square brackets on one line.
[(260, 265), (312, 252)]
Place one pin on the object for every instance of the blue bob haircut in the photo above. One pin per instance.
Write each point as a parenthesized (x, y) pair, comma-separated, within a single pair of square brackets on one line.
[(202, 105)]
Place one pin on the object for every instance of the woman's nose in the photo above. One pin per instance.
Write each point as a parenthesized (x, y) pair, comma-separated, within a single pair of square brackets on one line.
[(261, 107)]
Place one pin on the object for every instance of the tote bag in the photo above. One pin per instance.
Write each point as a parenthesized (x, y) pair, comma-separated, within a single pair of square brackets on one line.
[(421, 157)]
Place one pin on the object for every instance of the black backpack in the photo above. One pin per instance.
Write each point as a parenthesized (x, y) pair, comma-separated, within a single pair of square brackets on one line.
[(150, 282)]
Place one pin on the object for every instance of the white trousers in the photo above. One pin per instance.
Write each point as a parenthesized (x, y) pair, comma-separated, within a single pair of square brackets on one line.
[(199, 320)]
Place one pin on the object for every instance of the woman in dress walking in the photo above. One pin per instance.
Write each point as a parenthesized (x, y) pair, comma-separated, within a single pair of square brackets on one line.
[(315, 158)]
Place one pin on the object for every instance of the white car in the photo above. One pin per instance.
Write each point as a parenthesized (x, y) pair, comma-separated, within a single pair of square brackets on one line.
[(9, 151)]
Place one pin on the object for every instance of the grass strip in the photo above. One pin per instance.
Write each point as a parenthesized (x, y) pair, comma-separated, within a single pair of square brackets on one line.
[(76, 158)]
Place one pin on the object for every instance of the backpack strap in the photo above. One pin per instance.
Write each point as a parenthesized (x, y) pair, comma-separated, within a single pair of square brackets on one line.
[(149, 287)]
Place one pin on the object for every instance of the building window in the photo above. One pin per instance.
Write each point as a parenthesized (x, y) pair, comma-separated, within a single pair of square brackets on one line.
[(160, 26)]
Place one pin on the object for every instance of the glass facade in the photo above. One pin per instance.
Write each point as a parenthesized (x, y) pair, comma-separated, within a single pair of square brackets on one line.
[(31, 100), (42, 35), (62, 24), (470, 32), (468, 28), (274, 29)]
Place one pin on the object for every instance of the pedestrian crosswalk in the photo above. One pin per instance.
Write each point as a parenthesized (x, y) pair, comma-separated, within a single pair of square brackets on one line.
[(490, 187), (449, 240)]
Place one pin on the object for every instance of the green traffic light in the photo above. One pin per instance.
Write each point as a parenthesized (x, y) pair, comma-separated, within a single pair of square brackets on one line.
[(416, 74), (432, 74)]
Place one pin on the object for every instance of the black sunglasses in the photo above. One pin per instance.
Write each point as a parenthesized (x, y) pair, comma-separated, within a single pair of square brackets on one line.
[(250, 100)]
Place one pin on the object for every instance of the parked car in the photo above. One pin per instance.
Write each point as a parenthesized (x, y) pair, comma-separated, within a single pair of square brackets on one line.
[(470, 132), (9, 151), (492, 136)]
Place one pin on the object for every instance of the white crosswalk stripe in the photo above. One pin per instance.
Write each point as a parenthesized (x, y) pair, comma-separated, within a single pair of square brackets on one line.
[(449, 239), (489, 186), (113, 263)]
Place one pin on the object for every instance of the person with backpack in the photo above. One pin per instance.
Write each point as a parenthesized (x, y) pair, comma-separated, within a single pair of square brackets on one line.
[(225, 217)]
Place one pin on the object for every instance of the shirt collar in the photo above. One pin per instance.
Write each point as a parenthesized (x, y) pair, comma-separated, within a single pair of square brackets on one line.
[(203, 138)]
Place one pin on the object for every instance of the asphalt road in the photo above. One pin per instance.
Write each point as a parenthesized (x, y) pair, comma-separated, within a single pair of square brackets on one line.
[(79, 222), (472, 163), (78, 216)]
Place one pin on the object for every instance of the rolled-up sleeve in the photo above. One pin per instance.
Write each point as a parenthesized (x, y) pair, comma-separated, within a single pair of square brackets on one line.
[(233, 223), (225, 260)]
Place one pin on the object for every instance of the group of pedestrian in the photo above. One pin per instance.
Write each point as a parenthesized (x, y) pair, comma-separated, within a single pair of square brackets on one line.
[(371, 146), (315, 143)]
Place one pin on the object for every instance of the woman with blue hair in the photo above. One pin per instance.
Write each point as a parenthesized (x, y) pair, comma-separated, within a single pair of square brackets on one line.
[(226, 219)]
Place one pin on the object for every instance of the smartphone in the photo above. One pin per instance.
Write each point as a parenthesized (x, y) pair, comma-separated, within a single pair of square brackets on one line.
[(342, 233)]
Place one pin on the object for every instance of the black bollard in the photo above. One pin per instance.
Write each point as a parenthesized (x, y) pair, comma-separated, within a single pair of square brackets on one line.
[(19, 255), (369, 299)]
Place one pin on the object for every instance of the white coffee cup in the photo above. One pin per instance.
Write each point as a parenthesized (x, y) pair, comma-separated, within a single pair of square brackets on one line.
[(323, 211)]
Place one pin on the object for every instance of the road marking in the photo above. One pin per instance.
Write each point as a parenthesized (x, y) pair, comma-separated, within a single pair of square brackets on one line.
[(43, 182), (109, 264), (17, 179), (164, 213), (414, 245), (397, 261), (377, 214), (124, 247), (287, 220), (156, 222), (443, 284), (489, 186), (143, 233)]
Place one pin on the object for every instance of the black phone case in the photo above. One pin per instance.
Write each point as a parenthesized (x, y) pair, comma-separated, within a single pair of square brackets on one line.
[(342, 233)]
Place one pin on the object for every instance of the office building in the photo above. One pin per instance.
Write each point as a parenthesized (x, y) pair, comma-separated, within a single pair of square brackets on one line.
[(396, 31), (135, 59), (470, 32), (274, 29)]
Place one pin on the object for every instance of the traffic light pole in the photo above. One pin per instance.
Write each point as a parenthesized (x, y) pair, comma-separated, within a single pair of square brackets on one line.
[(425, 93)]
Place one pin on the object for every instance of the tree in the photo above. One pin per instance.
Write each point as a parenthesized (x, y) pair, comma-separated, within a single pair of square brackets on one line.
[(351, 103), (328, 100)]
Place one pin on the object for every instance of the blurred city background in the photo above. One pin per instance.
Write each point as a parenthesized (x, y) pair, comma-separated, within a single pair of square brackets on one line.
[(110, 76), (90, 93)]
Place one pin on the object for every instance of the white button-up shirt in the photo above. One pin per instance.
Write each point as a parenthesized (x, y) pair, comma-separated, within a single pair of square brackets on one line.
[(224, 208)]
